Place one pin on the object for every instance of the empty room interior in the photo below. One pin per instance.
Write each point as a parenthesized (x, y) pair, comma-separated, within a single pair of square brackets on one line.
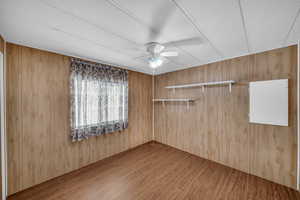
[(149, 100)]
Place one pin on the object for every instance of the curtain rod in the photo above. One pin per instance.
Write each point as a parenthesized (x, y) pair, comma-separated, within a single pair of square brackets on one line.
[(96, 64)]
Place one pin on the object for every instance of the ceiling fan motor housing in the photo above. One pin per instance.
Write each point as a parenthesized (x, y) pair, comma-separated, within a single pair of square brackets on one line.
[(155, 48)]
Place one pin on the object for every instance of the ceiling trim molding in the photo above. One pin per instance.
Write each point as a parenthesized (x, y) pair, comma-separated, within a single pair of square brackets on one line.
[(291, 28), (150, 72), (227, 58), (244, 26), (64, 53), (193, 22)]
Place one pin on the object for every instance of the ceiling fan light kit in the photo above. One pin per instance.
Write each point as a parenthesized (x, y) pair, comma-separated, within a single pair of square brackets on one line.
[(154, 47), (155, 62), (157, 55)]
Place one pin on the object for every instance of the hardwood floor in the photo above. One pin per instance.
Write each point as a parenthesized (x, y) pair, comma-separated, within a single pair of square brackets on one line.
[(156, 171)]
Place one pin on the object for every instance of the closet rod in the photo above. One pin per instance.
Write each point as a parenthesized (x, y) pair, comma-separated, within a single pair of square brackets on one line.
[(174, 100), (202, 84)]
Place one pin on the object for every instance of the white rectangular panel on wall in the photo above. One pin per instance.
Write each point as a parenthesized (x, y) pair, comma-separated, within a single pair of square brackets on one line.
[(269, 102)]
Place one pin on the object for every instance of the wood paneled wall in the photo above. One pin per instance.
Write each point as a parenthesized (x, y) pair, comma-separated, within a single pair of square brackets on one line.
[(216, 126), (1, 44), (39, 145)]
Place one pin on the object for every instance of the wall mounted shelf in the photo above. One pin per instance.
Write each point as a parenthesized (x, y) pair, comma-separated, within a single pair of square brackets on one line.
[(229, 83), (188, 101), (178, 100)]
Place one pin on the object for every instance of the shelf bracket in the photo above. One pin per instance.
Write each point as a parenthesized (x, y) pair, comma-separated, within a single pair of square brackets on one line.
[(230, 87), (188, 105), (203, 88)]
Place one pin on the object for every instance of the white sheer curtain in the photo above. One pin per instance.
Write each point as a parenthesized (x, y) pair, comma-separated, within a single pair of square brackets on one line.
[(99, 99)]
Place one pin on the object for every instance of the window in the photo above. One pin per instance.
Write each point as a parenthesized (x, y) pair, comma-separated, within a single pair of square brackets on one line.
[(93, 104), (99, 99)]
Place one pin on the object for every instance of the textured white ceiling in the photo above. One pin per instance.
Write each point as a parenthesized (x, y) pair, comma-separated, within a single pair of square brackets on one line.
[(115, 31)]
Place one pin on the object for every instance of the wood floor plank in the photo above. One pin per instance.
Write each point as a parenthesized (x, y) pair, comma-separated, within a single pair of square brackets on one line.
[(156, 171)]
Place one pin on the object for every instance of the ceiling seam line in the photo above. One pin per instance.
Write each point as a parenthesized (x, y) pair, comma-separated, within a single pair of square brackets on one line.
[(225, 59), (192, 21), (244, 25), (75, 55), (291, 28), (88, 22), (188, 53), (94, 25), (128, 13), (90, 41)]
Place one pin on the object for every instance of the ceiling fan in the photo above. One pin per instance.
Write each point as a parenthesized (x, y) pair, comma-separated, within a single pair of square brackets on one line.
[(157, 55)]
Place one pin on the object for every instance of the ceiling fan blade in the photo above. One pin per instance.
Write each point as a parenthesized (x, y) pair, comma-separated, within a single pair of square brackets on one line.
[(165, 60), (185, 42), (143, 58), (159, 19), (169, 54)]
